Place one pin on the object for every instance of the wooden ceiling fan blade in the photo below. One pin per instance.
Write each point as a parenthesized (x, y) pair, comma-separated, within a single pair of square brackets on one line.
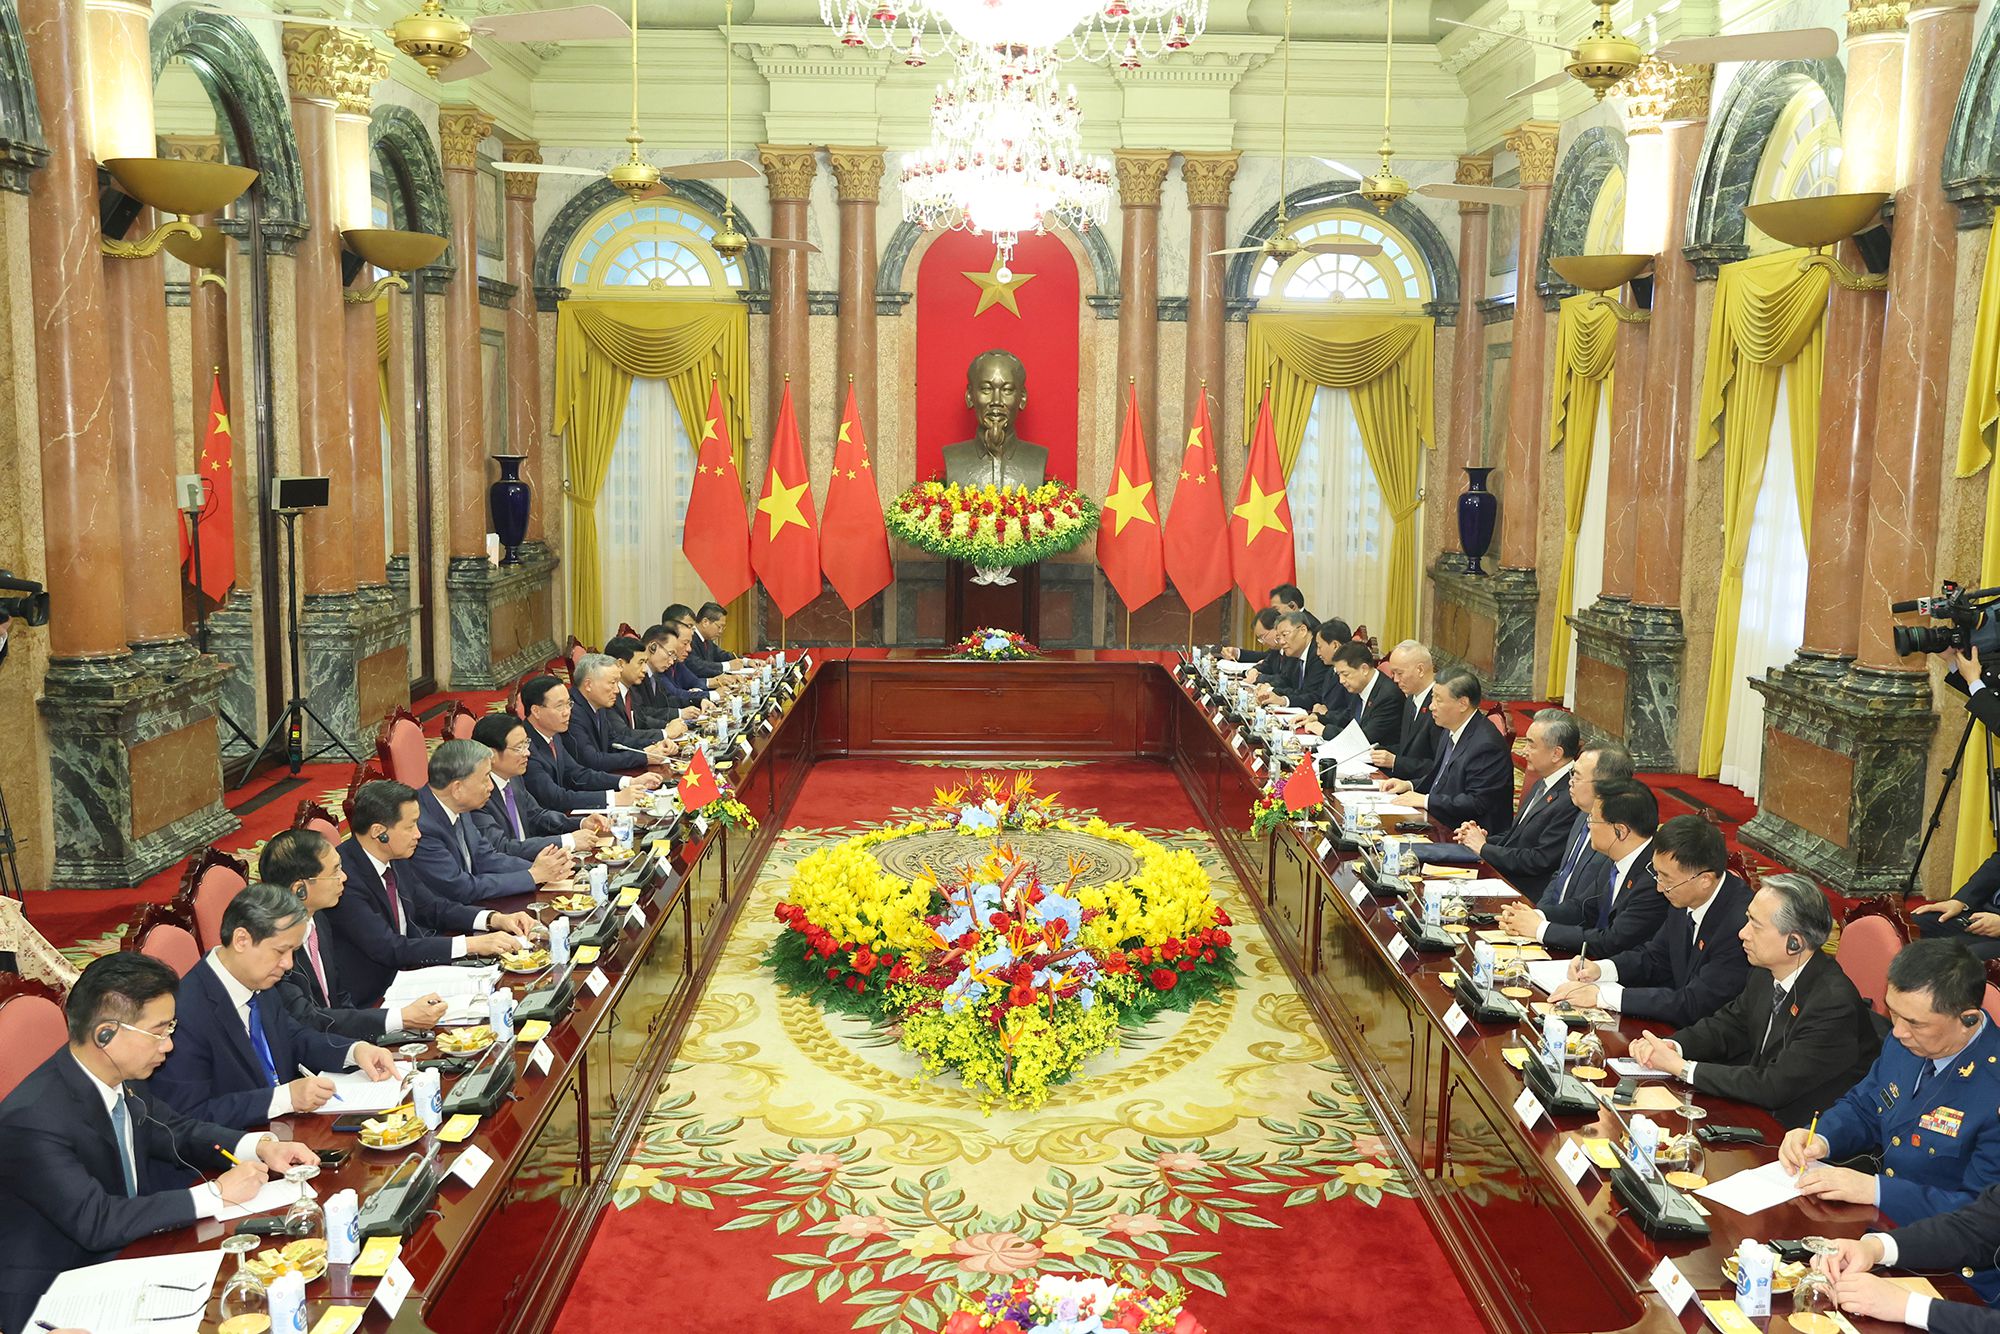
[(1363, 249), (1786, 44), (1472, 194), (729, 169), (779, 243), (578, 23), (1241, 250), (1556, 80), (1510, 36), (544, 169), (467, 66), (270, 16)]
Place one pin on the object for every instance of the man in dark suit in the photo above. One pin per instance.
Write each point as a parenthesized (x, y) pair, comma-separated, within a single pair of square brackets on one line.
[(657, 701), (388, 920), (1413, 670), (1532, 850), (1972, 915), (1694, 964), (511, 819), (1964, 1239), (559, 781), (453, 857), (1472, 777), (1372, 699), (306, 862), (1798, 1034), (600, 740), (91, 1159), (707, 627), (1299, 680), (1334, 705), (1575, 890), (1623, 909), (1263, 653), (236, 1047), (631, 713)]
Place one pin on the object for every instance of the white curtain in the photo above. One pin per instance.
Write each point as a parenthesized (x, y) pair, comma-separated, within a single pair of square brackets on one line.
[(1773, 620), (1588, 577), (1341, 528), (642, 509)]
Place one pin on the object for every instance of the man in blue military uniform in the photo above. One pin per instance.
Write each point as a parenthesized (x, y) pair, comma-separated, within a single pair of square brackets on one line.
[(1929, 1109)]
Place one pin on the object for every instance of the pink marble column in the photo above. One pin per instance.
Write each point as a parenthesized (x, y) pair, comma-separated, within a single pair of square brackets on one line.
[(1914, 365), (1621, 456), (1207, 177), (1528, 388), (1834, 612), (524, 333), (1468, 368), (857, 181), (460, 131), (142, 416), (789, 172), (364, 410), (1141, 173)]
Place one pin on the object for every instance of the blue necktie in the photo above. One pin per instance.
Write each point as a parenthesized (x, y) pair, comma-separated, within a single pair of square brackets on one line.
[(258, 1043), (121, 1129), (1610, 892), (1576, 842)]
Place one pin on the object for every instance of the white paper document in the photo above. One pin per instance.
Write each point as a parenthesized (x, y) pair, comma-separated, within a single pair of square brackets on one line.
[(1349, 744), (1547, 974), (158, 1294), (1476, 889), (1755, 1190), (447, 980), (354, 1091), (1627, 1068), (275, 1194)]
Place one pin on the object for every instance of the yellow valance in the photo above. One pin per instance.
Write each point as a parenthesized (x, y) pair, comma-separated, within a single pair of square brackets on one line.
[(1387, 364), (601, 347), (1586, 346)]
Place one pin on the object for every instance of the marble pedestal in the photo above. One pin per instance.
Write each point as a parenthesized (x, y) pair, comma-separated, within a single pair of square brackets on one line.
[(1628, 677), (135, 773), (500, 618), (354, 648), (1487, 622), (1845, 750)]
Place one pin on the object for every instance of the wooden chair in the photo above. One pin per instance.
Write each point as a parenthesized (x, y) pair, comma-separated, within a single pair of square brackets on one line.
[(167, 932), (457, 723), (575, 650), (625, 629), (32, 1027), (211, 880), (363, 775), (311, 815), (1871, 933), (399, 745)]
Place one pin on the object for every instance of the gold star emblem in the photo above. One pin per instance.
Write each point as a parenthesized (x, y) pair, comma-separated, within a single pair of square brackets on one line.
[(221, 423), (993, 291), (1128, 502), (1260, 511), (1184, 474), (852, 475), (707, 433), (843, 432), (781, 502), (1194, 437)]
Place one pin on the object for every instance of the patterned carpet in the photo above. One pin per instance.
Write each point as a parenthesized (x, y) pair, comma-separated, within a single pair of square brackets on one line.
[(795, 1162)]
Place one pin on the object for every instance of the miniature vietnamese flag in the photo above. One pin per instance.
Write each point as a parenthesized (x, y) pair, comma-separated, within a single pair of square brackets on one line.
[(1260, 527), (1302, 789), (1128, 539), (1197, 529), (717, 535), (698, 786), (853, 543), (784, 538)]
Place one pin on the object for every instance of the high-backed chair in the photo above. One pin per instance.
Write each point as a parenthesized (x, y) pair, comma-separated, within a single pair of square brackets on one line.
[(211, 880), (625, 629), (399, 745), (575, 650), (32, 1028), (167, 932), (363, 774), (311, 815), (457, 723), (1870, 936)]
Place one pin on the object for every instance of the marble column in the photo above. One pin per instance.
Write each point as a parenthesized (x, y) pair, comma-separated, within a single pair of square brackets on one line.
[(1207, 177), (524, 337), (460, 130), (1621, 458), (789, 173), (857, 180), (1141, 173), (135, 774), (1468, 361)]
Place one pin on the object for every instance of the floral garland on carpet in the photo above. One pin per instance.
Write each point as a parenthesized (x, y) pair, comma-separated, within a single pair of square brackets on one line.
[(1055, 1304), (1012, 979), (992, 526), (990, 645)]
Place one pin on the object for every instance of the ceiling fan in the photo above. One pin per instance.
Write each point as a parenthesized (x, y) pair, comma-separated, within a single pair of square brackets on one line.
[(1605, 56), (730, 243), (1281, 245), (441, 43)]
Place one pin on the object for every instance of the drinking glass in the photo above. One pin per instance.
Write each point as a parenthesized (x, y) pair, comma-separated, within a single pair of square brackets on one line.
[(1812, 1296), (304, 1218), (1691, 1113), (244, 1293)]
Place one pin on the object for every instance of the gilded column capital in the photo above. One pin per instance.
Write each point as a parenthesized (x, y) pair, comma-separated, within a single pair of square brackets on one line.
[(1534, 142), (315, 62), (1876, 18), (192, 147), (520, 184), (362, 66), (1141, 173), (857, 174), (1474, 170), (460, 130), (789, 171), (1208, 177), (1658, 94)]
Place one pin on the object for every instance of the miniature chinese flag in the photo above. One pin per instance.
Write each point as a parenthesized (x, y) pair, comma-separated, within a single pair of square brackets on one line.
[(1302, 789), (717, 533), (698, 786)]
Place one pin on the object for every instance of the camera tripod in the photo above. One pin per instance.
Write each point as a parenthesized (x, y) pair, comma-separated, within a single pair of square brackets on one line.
[(201, 619), (1951, 773), (292, 721)]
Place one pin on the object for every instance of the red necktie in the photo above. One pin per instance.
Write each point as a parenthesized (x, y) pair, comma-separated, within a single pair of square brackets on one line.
[(625, 698), (319, 967), (395, 900)]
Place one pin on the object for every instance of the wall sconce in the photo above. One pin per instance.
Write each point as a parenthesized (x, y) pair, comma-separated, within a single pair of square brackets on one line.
[(205, 253), (1820, 223), (1599, 274), (395, 251), (177, 186)]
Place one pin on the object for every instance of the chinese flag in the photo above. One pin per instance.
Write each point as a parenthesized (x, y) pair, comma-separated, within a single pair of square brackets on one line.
[(1302, 789), (853, 545), (717, 535), (217, 470), (784, 539), (1260, 529), (1128, 540), (698, 786), (1196, 543)]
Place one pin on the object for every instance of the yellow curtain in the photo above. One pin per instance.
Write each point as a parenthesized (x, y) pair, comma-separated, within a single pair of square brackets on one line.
[(1770, 317), (1586, 340), (601, 346), (382, 356), (1386, 363), (1976, 438)]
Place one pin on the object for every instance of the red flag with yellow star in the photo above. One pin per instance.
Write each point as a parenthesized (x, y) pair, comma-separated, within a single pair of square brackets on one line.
[(854, 544), (784, 539), (1260, 526), (1128, 538), (217, 470), (1196, 546), (716, 536)]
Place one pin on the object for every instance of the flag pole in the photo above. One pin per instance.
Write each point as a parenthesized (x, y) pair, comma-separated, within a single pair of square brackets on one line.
[(1128, 629), (1190, 632), (781, 632), (853, 635)]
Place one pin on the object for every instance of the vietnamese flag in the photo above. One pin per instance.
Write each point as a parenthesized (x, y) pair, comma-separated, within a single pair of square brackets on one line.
[(217, 470), (1260, 529), (698, 786), (1196, 541), (1302, 789), (1128, 539), (854, 544), (716, 535), (784, 539)]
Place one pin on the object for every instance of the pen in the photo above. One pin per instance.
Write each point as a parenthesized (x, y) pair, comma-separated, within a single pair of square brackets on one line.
[(230, 1156), (1811, 1130)]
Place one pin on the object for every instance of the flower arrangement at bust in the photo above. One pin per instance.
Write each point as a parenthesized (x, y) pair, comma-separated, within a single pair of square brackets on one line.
[(1056, 1304), (993, 527), (991, 645)]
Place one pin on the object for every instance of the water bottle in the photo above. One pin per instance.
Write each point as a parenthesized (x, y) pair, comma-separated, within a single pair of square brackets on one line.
[(1753, 1278), (1555, 1042), (1482, 965), (559, 943), (600, 880), (1645, 1146), (287, 1298), (1392, 859), (427, 1097), (343, 1236), (500, 1014), (621, 827), (1434, 904)]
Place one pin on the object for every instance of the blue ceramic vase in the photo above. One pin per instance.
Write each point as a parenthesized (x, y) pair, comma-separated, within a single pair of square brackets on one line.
[(507, 500), (1478, 511)]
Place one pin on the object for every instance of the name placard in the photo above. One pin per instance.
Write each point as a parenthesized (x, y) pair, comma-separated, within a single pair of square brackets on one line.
[(1672, 1285), (1529, 1108), (395, 1286), (1325, 847), (1399, 948), (597, 982), (1358, 896), (542, 1058), (637, 917), (471, 1165), (1456, 1019), (1573, 1161)]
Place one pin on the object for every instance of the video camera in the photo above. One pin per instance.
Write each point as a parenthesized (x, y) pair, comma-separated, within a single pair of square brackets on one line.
[(23, 599), (1968, 622)]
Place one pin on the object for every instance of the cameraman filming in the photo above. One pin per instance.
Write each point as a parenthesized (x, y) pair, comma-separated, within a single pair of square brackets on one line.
[(1973, 913)]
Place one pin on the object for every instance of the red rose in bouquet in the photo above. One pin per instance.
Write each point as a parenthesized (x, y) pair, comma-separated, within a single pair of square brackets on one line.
[(1164, 979)]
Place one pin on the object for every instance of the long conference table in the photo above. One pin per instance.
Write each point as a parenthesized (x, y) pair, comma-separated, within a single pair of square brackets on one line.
[(1535, 1251)]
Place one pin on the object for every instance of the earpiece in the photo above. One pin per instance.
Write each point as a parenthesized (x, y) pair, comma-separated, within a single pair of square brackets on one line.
[(1970, 1019), (382, 837), (104, 1035), (1793, 945)]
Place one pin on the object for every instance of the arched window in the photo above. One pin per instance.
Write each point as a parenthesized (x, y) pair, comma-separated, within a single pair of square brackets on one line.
[(1802, 160), (647, 249), (1605, 234), (1396, 279)]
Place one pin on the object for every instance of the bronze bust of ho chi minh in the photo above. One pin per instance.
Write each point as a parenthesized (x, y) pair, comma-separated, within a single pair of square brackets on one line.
[(996, 389)]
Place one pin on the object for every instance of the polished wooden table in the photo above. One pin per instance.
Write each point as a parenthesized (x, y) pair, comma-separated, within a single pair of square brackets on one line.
[(1535, 1252)]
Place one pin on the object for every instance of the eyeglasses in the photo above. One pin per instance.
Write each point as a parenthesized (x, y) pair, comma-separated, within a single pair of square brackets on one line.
[(522, 749), (172, 1024), (1684, 880)]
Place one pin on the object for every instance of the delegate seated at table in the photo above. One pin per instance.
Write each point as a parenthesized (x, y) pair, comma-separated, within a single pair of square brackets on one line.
[(454, 856), (1472, 777), (92, 1159), (1536, 846), (512, 820), (597, 735), (1623, 908), (1298, 679), (1264, 653), (1962, 1239), (559, 781), (1412, 668), (1376, 704)]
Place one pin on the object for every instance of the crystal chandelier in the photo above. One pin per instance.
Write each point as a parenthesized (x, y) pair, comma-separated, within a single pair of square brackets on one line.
[(1006, 157), (1126, 32)]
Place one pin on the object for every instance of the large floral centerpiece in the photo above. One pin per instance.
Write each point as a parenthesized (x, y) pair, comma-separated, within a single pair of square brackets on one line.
[(1009, 976), (992, 527), (990, 645), (1055, 1304)]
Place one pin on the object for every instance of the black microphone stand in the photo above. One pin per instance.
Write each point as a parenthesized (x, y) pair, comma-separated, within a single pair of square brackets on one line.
[(292, 721), (201, 618)]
